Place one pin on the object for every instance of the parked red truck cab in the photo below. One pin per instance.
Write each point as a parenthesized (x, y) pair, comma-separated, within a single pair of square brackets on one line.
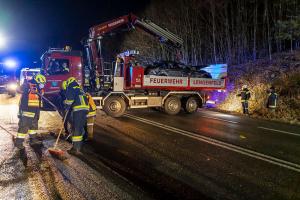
[(58, 65)]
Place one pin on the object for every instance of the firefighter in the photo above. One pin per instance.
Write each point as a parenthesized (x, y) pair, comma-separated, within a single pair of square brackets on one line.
[(76, 102), (29, 110), (90, 117), (272, 99), (64, 68), (245, 96)]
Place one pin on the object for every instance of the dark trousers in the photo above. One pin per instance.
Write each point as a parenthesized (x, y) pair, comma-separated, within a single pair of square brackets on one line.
[(79, 121), (245, 107), (27, 124)]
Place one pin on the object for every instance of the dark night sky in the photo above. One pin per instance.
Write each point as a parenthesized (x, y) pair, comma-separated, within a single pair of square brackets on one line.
[(31, 26)]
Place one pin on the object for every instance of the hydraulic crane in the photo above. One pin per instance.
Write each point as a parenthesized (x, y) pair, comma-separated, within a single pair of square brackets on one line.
[(93, 45)]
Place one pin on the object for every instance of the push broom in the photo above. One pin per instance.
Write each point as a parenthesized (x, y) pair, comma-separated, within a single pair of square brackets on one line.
[(54, 151)]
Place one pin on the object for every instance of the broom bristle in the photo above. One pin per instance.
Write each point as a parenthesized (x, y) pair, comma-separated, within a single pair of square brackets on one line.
[(57, 153)]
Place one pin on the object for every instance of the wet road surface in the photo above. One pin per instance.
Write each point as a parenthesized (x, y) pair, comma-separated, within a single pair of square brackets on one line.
[(149, 155), (34, 174), (208, 155)]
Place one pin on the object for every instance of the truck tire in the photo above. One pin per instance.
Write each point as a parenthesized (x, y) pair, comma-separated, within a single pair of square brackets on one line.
[(172, 105), (114, 106), (191, 105)]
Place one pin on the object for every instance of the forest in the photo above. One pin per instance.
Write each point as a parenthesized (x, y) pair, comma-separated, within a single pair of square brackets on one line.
[(222, 31), (258, 39)]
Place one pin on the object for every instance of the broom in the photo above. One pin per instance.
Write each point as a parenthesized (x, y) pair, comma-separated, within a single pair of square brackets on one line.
[(54, 151)]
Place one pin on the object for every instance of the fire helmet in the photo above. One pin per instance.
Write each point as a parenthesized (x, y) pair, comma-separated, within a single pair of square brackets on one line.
[(39, 78), (70, 80)]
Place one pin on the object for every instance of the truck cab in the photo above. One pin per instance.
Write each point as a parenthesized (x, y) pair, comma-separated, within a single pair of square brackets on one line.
[(128, 73), (58, 65)]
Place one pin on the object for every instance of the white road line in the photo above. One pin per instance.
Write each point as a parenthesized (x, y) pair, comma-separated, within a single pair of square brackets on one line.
[(219, 119), (231, 147), (285, 132)]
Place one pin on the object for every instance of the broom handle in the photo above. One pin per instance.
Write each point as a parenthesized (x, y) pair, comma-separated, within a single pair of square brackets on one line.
[(60, 131), (48, 101)]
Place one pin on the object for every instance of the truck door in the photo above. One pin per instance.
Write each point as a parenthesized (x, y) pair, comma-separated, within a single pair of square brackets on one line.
[(119, 75)]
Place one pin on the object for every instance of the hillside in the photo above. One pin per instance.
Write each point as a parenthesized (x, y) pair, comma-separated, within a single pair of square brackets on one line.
[(283, 72)]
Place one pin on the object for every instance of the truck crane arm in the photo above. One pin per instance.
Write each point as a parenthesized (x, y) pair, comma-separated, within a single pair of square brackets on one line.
[(127, 22), (130, 22)]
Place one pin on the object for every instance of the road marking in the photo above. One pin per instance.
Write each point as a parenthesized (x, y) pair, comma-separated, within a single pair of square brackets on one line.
[(219, 119), (285, 132), (224, 145)]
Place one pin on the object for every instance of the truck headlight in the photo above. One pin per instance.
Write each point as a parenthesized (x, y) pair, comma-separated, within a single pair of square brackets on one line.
[(12, 86)]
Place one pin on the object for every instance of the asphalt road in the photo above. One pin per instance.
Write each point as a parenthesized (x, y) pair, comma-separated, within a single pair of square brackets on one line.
[(149, 155), (34, 174), (207, 155)]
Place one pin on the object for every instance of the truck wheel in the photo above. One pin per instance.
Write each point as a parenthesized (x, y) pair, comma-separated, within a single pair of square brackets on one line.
[(172, 105), (191, 105), (114, 106)]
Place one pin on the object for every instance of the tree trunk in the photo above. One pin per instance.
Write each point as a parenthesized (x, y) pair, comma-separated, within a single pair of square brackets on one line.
[(212, 9), (228, 40), (267, 21), (254, 31)]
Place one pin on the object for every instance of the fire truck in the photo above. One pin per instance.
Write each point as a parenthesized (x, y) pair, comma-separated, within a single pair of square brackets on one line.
[(123, 84)]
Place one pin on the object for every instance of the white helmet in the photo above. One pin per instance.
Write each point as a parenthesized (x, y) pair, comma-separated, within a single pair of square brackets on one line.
[(244, 86)]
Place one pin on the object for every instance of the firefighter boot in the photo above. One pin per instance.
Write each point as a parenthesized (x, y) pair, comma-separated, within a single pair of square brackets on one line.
[(18, 142), (33, 141), (76, 149)]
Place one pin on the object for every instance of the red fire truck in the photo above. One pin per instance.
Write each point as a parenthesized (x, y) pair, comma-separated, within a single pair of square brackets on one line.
[(124, 84)]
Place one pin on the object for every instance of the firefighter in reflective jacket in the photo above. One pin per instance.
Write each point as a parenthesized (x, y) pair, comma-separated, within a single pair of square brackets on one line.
[(90, 117), (29, 110), (76, 102), (245, 96), (272, 99)]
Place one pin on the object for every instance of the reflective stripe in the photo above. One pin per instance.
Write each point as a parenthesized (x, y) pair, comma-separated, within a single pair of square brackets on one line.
[(75, 87), (77, 138), (91, 114), (82, 102), (244, 100), (33, 103), (81, 107), (272, 106), (32, 132), (28, 114), (68, 102), (21, 135), (90, 124)]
